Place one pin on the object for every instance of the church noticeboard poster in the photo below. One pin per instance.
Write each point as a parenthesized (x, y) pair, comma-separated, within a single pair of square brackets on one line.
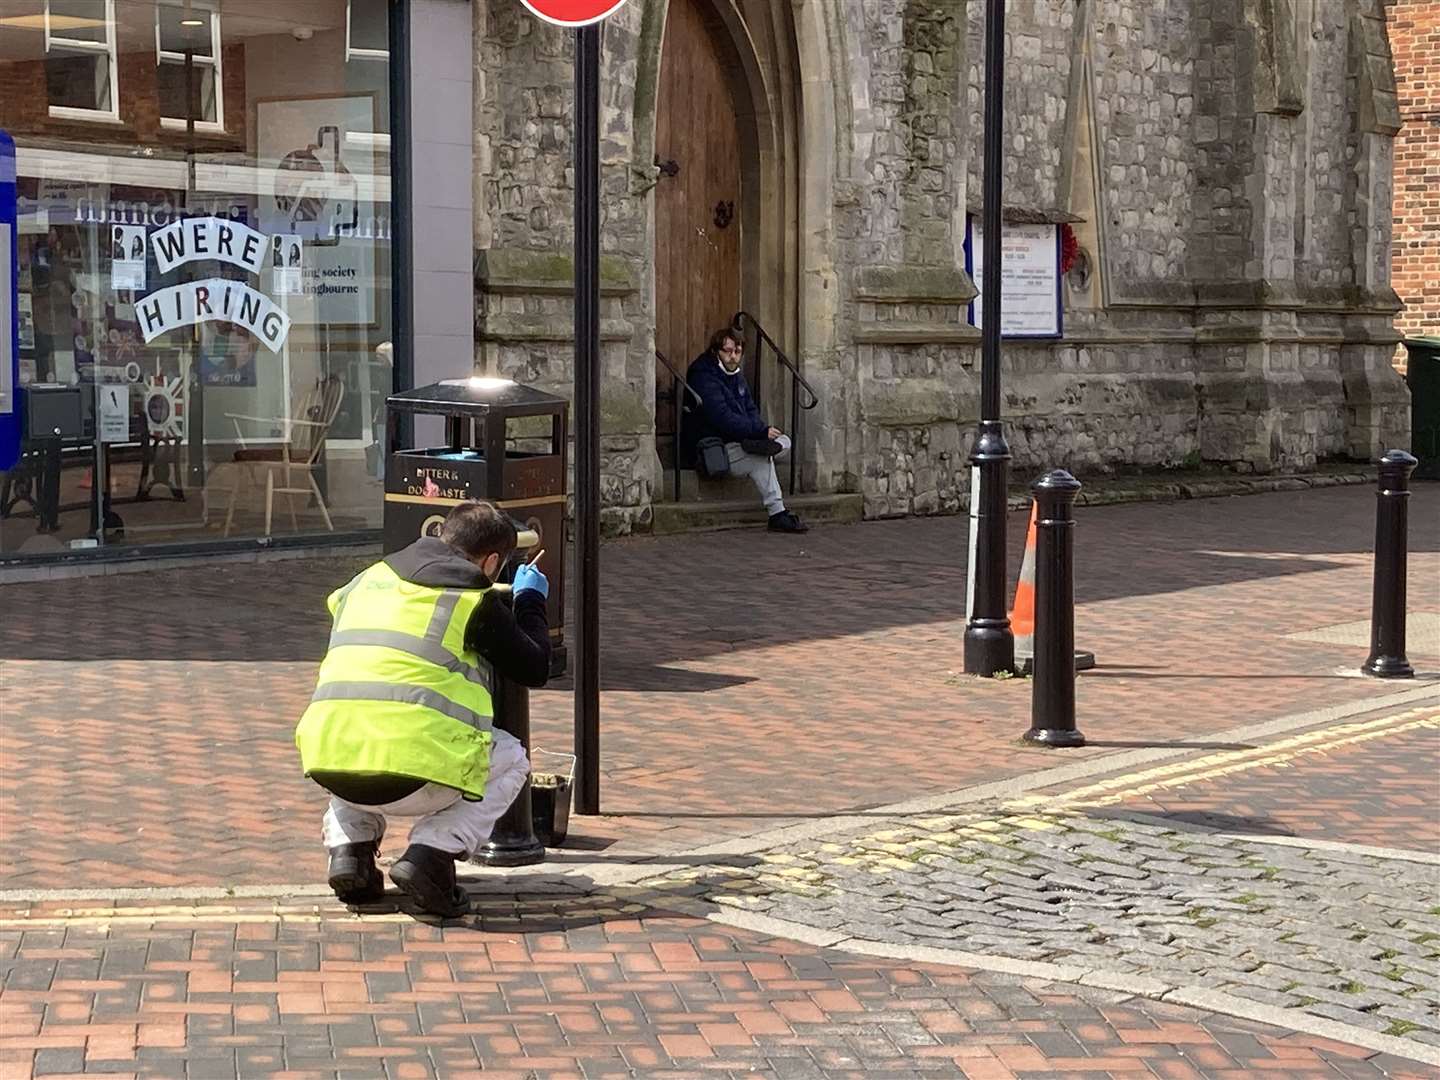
[(1030, 279)]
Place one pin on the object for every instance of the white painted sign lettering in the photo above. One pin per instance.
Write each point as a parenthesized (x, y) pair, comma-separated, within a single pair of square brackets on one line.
[(199, 238), (214, 298)]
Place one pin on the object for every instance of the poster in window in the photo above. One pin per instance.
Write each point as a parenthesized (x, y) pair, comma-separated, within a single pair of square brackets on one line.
[(27, 321), (127, 257), (285, 261), (114, 412), (325, 186), (228, 355)]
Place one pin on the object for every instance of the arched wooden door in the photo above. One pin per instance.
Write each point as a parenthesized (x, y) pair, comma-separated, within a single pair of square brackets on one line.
[(697, 210)]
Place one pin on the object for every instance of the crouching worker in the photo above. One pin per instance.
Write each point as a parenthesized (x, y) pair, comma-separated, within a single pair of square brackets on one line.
[(400, 724)]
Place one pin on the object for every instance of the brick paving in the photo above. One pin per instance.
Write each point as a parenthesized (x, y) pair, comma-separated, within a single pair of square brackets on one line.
[(147, 743), (749, 680), (569, 987), (1383, 793)]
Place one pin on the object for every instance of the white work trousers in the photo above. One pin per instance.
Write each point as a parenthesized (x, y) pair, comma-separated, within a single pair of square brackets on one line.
[(761, 471), (447, 821)]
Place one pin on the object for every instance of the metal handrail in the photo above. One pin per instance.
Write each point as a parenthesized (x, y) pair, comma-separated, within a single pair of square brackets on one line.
[(739, 322), (675, 385)]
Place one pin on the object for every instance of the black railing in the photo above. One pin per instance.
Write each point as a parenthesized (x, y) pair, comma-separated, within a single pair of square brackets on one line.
[(678, 408), (744, 320)]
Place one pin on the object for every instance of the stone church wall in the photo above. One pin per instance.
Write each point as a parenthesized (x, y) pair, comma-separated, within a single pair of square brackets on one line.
[(1224, 165)]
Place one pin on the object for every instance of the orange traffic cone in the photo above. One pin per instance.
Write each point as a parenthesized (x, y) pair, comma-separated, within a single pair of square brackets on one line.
[(1022, 615)]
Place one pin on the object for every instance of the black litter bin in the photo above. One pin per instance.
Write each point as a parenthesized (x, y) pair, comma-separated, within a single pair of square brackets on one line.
[(1422, 375), (487, 455)]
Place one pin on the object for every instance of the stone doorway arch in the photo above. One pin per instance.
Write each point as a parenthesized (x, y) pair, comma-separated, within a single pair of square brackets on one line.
[(753, 43)]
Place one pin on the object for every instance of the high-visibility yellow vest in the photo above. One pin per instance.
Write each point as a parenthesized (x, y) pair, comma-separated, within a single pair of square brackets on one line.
[(398, 693)]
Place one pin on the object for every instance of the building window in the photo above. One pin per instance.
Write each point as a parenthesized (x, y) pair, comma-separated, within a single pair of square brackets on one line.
[(367, 30), (80, 60), (195, 92)]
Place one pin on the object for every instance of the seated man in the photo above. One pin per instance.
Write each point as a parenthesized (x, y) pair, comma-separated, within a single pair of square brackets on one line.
[(729, 413)]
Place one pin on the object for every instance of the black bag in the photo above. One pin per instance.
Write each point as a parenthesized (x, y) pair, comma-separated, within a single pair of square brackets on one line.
[(711, 460)]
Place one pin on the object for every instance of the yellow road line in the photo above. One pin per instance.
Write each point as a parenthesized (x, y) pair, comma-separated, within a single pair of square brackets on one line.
[(1228, 762)]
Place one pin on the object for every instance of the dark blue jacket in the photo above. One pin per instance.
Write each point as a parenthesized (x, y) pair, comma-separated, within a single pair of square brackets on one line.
[(729, 412)]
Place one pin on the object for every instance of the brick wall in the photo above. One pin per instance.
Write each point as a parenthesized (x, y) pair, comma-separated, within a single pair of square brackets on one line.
[(1414, 27), (24, 106)]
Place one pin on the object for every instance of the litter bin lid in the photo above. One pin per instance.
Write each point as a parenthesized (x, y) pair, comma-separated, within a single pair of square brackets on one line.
[(1423, 343), (478, 396)]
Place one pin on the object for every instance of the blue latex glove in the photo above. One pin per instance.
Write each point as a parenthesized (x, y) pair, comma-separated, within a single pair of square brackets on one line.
[(529, 579)]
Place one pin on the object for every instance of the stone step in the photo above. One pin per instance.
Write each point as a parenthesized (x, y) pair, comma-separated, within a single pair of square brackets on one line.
[(747, 513), (695, 489)]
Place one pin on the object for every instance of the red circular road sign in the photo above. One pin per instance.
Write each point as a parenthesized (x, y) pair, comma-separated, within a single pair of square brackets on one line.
[(573, 12)]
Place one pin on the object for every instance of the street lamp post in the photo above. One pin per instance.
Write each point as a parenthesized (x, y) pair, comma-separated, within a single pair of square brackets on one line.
[(989, 642), (585, 17)]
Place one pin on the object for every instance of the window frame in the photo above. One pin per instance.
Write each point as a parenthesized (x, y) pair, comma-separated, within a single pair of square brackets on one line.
[(214, 61), (77, 46), (353, 53)]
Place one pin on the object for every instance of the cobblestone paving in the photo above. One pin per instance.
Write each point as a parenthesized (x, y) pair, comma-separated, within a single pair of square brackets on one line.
[(1344, 935)]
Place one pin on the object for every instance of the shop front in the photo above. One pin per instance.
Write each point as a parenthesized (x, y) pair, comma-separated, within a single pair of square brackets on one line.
[(206, 290)]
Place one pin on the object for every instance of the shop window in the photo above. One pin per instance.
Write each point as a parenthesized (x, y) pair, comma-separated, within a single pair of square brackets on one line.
[(189, 75), (80, 60), (214, 327)]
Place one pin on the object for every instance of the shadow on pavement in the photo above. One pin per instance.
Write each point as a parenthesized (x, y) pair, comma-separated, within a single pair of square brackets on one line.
[(1199, 821), (1166, 744), (511, 906), (1099, 672), (657, 680)]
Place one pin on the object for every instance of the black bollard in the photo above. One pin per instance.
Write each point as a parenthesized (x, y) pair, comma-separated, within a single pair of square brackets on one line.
[(1052, 696), (1387, 609), (513, 841)]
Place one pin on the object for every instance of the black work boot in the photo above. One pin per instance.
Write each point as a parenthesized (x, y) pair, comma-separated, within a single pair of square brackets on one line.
[(353, 873), (428, 875)]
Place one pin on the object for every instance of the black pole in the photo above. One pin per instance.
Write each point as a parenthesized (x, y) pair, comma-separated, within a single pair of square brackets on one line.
[(587, 417), (1052, 695), (1387, 610), (794, 434), (989, 642), (677, 407), (400, 426)]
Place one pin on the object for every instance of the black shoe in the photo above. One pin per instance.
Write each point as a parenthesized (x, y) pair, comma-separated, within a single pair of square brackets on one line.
[(353, 873), (428, 875), (787, 522)]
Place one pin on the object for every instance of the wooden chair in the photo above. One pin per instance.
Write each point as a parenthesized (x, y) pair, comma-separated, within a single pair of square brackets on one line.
[(302, 440)]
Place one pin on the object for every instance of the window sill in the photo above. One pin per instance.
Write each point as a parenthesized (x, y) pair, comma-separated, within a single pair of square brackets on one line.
[(87, 116)]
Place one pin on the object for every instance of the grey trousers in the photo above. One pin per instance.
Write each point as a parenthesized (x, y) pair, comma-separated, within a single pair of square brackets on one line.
[(761, 471)]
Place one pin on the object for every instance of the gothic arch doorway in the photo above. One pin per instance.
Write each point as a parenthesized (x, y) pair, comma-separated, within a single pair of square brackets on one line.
[(700, 197)]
